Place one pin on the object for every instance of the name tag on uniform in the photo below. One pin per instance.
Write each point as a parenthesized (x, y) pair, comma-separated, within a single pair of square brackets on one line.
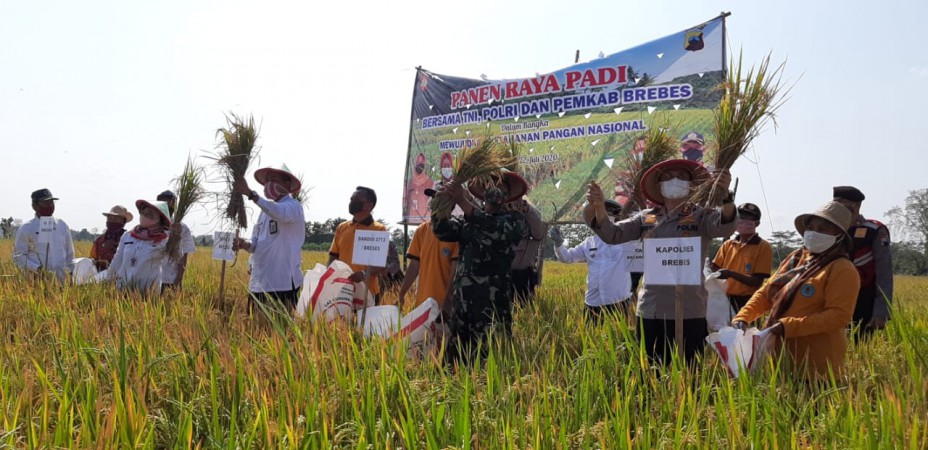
[(272, 227)]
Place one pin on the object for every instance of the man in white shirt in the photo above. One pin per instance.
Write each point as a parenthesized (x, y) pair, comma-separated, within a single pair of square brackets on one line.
[(608, 285), (51, 250), (173, 270), (276, 240)]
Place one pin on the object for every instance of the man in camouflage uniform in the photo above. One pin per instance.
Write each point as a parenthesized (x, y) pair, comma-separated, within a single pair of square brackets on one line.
[(482, 286)]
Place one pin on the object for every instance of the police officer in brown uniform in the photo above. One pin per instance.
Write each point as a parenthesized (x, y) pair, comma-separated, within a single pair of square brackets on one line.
[(872, 257)]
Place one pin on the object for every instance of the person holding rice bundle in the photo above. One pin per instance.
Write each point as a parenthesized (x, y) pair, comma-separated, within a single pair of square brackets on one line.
[(482, 286), (276, 239), (812, 295), (142, 251), (174, 269), (668, 184)]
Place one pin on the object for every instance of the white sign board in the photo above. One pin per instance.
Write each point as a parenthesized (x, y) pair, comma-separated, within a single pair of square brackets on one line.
[(46, 230), (633, 256), (222, 245), (370, 248), (673, 261)]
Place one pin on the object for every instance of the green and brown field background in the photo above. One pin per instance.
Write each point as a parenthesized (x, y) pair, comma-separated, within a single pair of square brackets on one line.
[(84, 367)]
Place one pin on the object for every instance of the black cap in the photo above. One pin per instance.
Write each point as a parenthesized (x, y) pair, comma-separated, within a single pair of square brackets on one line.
[(749, 211), (613, 206), (42, 195), (430, 192), (166, 196), (848, 193)]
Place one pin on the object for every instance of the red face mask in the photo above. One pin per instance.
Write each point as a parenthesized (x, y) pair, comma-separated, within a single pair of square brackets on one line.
[(45, 211)]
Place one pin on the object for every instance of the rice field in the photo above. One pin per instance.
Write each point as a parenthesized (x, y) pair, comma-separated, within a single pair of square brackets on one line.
[(84, 367)]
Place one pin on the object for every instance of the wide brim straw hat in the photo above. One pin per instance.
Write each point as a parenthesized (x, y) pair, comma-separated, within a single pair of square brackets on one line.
[(162, 208), (833, 212), (650, 186), (517, 186), (261, 176), (119, 211)]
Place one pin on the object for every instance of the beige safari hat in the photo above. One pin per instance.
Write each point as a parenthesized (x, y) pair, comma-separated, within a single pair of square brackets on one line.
[(119, 211), (833, 212)]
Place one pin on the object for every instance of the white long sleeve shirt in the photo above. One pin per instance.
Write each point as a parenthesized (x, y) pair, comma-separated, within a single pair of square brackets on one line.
[(607, 281), (137, 263), (28, 254), (277, 244), (171, 268)]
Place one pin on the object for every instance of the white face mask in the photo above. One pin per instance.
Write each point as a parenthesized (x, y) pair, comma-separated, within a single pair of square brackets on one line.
[(817, 242), (447, 172), (675, 188)]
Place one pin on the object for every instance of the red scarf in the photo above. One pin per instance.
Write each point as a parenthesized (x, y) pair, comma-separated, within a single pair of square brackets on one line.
[(155, 235)]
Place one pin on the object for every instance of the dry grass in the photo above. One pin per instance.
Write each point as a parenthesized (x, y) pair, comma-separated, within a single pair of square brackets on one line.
[(478, 165), (236, 151), (751, 99)]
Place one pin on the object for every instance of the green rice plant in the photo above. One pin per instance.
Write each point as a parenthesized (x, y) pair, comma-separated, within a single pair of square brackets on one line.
[(86, 366), (659, 146), (189, 192)]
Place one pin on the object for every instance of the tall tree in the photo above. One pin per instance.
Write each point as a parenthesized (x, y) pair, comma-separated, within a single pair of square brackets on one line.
[(910, 223)]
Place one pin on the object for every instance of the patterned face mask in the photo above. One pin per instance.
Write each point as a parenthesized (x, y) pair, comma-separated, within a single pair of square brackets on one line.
[(494, 196), (274, 191)]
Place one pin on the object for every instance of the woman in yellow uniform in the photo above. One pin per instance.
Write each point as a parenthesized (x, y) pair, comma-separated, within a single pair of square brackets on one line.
[(812, 295)]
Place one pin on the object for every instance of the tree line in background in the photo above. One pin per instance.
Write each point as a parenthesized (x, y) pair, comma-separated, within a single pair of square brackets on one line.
[(908, 225)]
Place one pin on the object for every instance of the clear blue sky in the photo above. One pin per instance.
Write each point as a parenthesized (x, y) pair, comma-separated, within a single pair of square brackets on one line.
[(101, 102)]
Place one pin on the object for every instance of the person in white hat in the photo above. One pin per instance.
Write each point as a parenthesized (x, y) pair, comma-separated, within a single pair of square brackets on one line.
[(812, 295), (669, 185), (276, 239), (141, 252), (104, 246), (33, 256)]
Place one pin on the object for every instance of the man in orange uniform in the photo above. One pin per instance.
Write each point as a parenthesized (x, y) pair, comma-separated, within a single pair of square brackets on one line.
[(745, 260), (361, 205), (431, 261)]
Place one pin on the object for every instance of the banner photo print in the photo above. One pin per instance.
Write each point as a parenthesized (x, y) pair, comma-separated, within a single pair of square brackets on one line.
[(571, 125)]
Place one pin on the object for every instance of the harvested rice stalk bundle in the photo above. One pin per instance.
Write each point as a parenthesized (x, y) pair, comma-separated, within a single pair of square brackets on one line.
[(478, 165), (237, 150), (659, 146), (189, 192), (750, 100)]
